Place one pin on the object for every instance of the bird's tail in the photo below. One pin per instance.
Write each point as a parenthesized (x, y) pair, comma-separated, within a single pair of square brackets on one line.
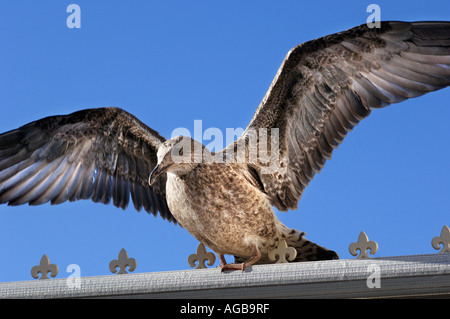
[(307, 250)]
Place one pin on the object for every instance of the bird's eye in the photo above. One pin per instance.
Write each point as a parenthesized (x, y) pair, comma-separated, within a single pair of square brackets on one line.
[(180, 151)]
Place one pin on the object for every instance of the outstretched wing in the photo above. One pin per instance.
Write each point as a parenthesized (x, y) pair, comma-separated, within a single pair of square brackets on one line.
[(326, 86), (95, 154)]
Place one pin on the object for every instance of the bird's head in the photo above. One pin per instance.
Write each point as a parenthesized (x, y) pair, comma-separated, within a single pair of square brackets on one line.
[(179, 155)]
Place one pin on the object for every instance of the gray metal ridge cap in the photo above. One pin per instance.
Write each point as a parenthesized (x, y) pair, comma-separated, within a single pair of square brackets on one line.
[(341, 278)]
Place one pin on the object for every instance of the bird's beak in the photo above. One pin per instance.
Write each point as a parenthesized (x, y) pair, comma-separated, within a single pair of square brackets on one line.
[(155, 173)]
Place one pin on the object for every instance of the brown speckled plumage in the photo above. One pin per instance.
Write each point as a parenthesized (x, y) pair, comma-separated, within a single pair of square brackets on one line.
[(215, 220), (322, 90)]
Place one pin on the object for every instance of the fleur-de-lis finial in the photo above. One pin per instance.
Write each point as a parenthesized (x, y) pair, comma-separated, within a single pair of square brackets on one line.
[(201, 256), (444, 239), (122, 262), (44, 268), (282, 251), (363, 244)]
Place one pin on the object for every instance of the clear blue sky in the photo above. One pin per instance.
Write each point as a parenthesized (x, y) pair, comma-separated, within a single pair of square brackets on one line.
[(173, 62)]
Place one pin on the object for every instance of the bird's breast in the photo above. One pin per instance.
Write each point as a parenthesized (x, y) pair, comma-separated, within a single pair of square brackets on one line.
[(221, 209), (177, 197)]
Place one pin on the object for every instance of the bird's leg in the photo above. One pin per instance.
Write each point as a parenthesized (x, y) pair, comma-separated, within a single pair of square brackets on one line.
[(256, 256), (224, 266)]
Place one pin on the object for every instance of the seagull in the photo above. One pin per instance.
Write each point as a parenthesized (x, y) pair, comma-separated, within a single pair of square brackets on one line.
[(225, 199)]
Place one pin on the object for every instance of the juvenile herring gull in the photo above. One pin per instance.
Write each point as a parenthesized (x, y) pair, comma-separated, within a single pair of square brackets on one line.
[(323, 88)]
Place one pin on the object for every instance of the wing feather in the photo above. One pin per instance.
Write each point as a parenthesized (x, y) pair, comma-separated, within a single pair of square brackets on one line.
[(99, 154), (326, 86)]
